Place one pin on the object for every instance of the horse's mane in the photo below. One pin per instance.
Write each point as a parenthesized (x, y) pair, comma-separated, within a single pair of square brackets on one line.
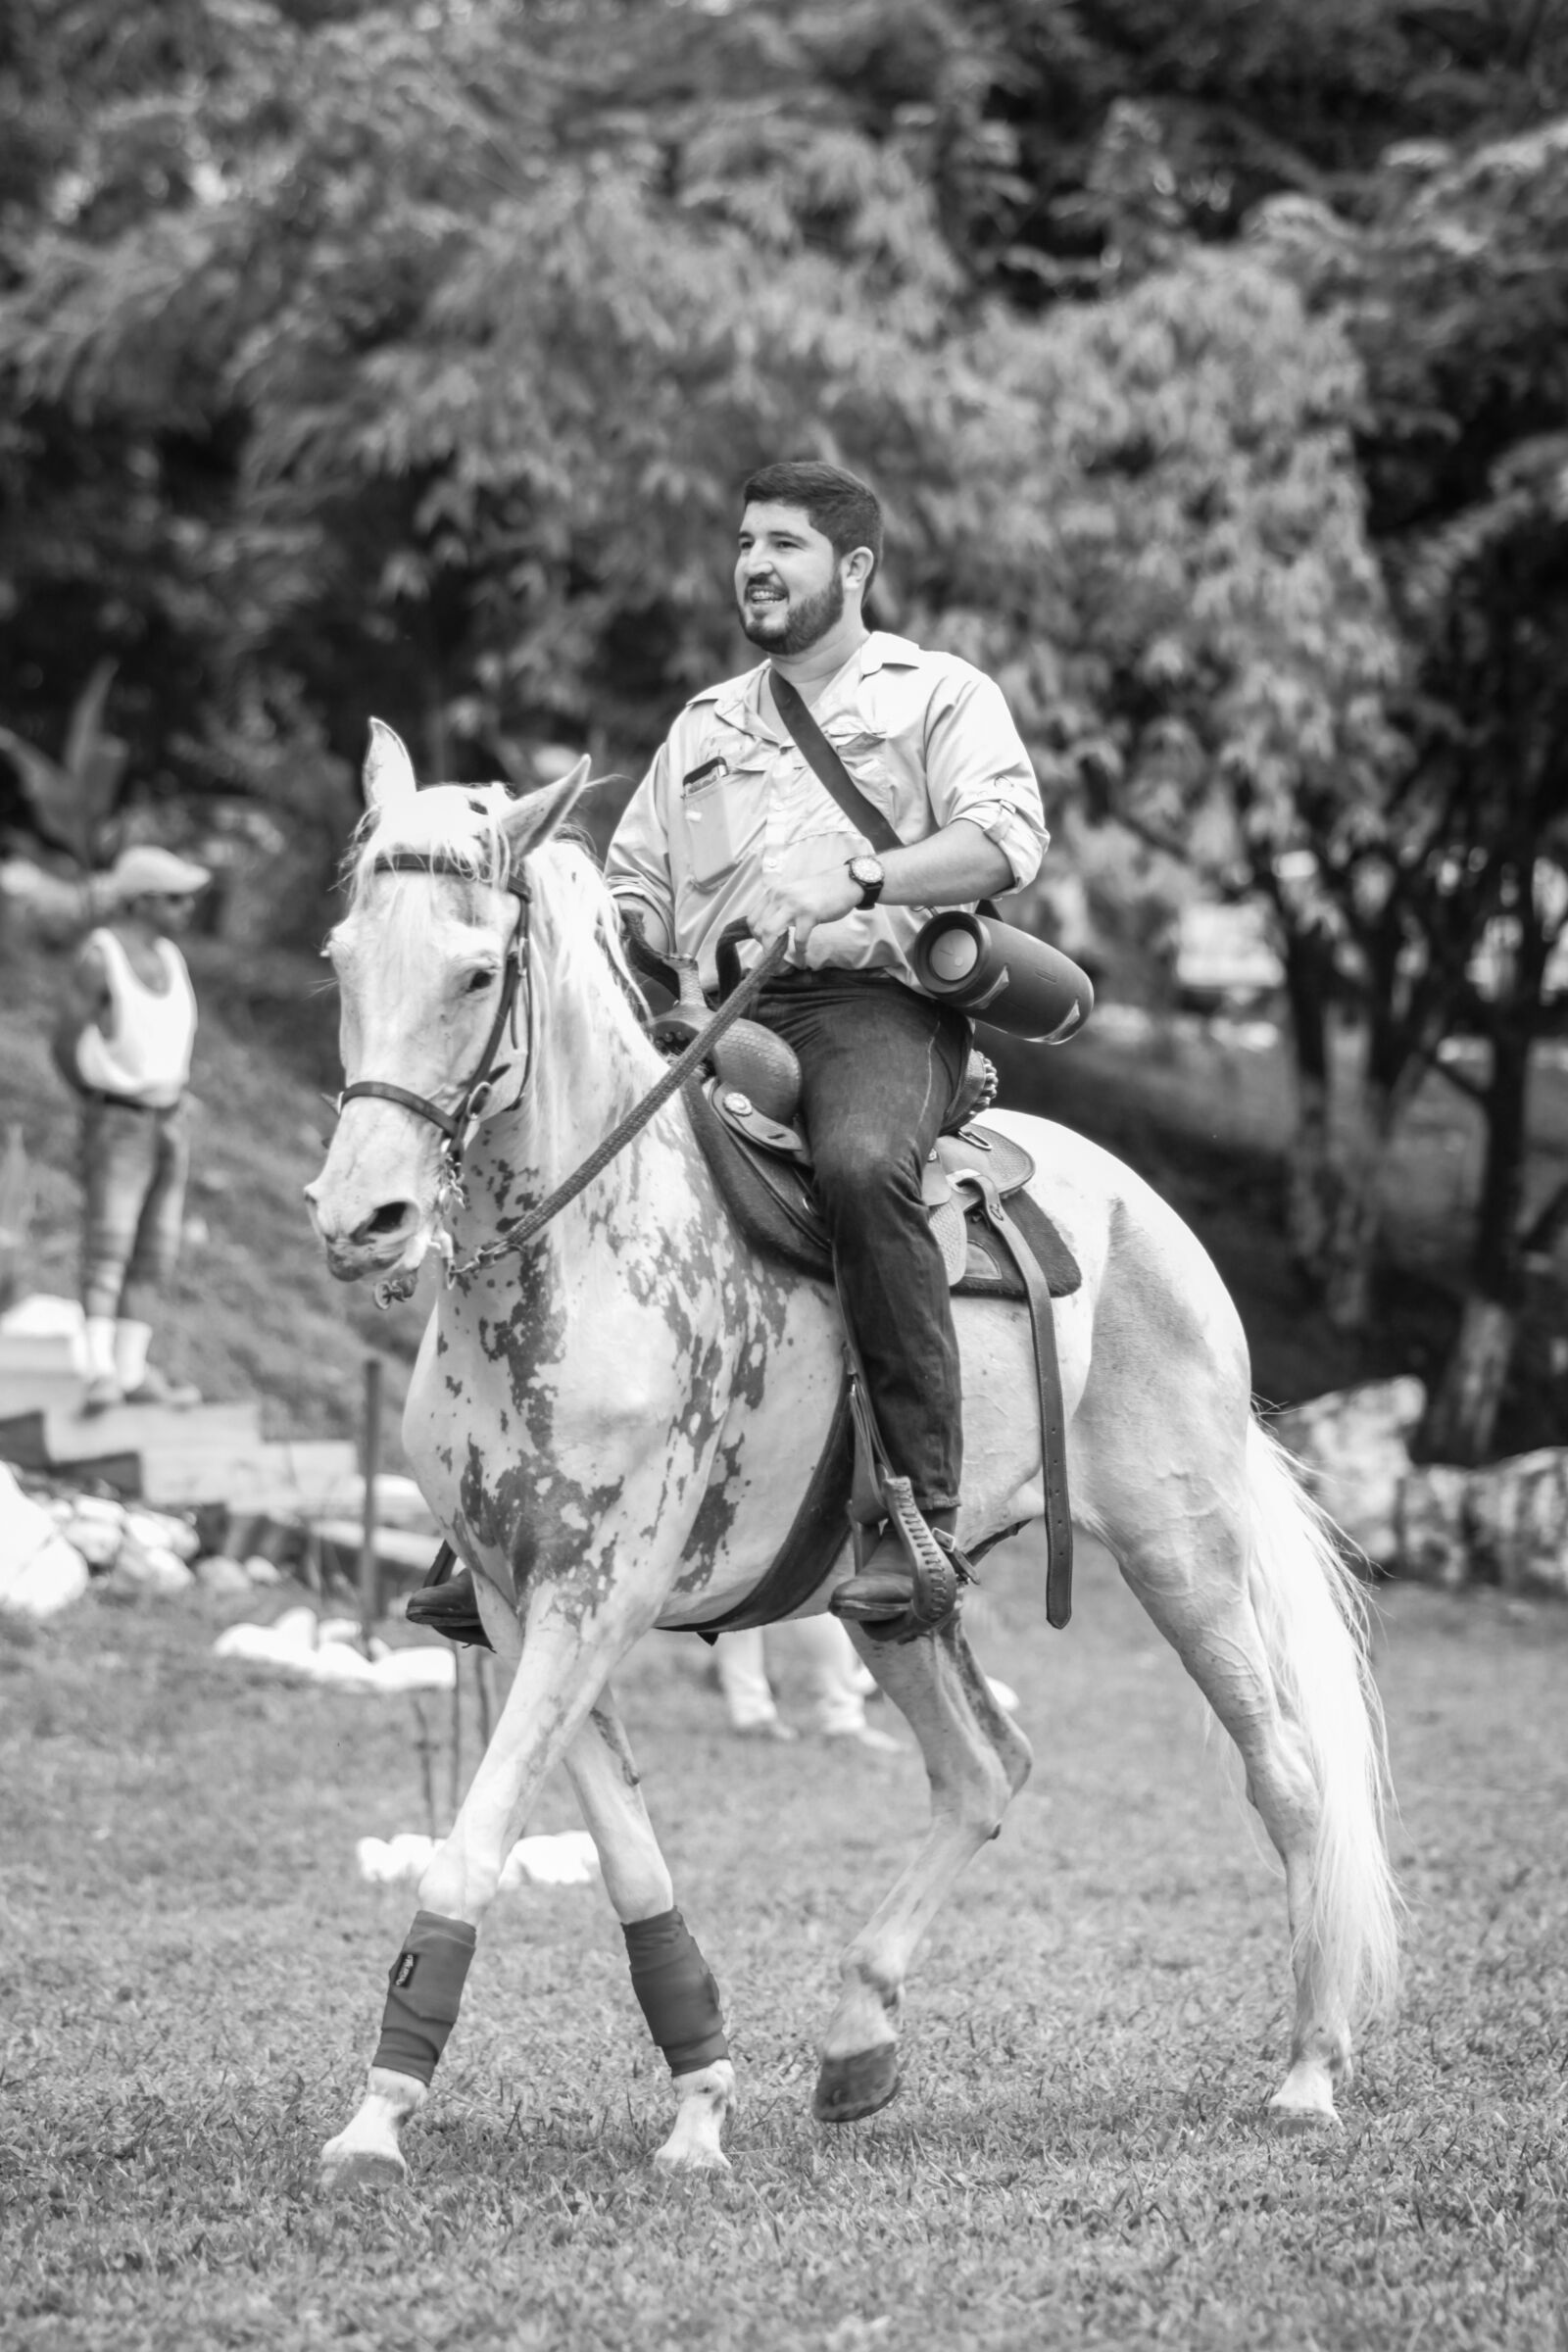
[(574, 913)]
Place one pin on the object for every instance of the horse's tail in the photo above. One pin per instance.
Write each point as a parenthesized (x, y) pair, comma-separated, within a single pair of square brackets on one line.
[(1314, 1626)]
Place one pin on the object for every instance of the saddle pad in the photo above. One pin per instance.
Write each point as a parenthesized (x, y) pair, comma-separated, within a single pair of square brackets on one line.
[(772, 1202)]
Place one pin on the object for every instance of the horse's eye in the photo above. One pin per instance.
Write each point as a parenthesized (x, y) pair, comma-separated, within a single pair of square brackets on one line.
[(476, 983)]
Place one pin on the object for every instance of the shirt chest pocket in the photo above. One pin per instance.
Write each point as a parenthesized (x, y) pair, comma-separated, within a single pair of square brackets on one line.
[(722, 814), (865, 752)]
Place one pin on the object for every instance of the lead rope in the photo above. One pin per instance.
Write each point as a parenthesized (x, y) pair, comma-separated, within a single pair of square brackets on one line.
[(519, 1234)]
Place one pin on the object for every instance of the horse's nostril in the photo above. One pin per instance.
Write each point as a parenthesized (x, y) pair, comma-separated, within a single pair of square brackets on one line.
[(390, 1218)]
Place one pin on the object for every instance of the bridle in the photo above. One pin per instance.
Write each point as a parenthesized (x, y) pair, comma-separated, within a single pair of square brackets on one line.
[(458, 1126)]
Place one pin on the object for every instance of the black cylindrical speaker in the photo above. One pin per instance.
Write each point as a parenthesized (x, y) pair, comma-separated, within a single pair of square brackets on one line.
[(997, 973)]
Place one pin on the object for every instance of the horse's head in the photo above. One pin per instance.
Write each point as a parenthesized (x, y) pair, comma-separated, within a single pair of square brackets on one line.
[(431, 964)]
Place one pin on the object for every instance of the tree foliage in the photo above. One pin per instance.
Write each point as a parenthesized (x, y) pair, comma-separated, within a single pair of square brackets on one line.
[(371, 358)]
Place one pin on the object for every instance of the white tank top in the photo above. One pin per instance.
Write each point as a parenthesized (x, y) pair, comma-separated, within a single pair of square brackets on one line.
[(148, 1057)]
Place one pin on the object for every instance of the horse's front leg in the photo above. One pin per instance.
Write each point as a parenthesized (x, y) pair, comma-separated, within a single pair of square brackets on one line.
[(976, 1761), (669, 1975), (568, 1649)]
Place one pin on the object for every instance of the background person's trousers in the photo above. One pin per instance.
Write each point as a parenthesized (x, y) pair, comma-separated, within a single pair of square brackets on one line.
[(134, 1167), (816, 1650)]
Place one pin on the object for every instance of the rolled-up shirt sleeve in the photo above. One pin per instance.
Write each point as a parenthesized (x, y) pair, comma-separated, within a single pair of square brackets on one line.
[(977, 769), (637, 861)]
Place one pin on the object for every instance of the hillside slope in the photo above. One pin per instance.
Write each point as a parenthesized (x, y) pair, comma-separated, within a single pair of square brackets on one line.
[(254, 1312)]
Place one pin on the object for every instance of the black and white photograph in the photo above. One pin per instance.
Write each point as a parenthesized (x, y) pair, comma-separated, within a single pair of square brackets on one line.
[(783, 1175)]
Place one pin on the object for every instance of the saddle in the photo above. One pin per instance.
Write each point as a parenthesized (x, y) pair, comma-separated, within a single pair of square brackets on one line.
[(995, 1241), (762, 1167)]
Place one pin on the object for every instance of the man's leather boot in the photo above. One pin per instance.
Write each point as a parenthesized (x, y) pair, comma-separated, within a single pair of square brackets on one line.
[(450, 1609), (881, 1594)]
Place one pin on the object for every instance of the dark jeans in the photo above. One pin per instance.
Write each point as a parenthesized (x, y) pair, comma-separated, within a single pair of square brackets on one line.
[(879, 1070), (133, 1165)]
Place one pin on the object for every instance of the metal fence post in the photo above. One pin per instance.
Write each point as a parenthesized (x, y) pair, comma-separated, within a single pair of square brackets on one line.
[(370, 1594)]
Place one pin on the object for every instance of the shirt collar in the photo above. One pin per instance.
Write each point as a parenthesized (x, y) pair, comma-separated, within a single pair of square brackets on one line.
[(739, 699), (740, 696)]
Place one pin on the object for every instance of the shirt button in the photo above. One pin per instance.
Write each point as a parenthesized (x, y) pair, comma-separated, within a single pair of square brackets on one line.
[(769, 864)]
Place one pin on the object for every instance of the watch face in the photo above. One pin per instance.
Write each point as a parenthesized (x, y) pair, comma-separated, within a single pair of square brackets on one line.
[(865, 870)]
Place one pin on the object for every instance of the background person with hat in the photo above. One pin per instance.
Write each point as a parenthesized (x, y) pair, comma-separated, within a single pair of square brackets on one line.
[(124, 1043)]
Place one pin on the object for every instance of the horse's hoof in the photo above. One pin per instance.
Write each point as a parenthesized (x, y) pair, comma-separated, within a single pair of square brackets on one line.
[(674, 2161), (848, 2088), (1298, 2123), (360, 2167)]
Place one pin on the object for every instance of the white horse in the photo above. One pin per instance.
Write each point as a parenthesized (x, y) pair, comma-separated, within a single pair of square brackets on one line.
[(614, 1425)]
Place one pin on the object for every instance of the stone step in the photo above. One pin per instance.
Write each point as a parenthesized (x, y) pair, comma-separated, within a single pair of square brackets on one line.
[(29, 1394), (402, 1559), (201, 1431), (38, 1373), (44, 1353), (286, 1479)]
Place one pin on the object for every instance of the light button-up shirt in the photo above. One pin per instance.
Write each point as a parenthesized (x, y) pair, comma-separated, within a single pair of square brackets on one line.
[(728, 799)]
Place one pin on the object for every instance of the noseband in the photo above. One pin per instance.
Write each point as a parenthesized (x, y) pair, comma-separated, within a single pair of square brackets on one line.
[(457, 1125)]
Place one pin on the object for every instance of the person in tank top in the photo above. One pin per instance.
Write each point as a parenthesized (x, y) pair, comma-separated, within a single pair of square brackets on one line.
[(124, 1043)]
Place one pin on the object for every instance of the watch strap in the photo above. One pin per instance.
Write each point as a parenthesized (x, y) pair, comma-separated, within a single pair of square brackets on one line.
[(827, 767)]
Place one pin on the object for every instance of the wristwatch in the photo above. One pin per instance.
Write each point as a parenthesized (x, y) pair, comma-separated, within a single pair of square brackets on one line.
[(868, 872)]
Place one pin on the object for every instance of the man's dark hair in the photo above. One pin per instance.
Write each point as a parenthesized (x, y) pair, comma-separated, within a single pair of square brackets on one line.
[(841, 506)]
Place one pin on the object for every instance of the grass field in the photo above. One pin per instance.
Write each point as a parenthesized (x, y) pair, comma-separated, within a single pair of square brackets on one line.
[(190, 1976)]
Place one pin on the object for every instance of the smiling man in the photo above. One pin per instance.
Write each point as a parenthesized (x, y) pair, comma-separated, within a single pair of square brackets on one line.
[(730, 824)]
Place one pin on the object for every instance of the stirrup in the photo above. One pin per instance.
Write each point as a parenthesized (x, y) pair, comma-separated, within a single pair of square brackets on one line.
[(446, 1603), (921, 1598)]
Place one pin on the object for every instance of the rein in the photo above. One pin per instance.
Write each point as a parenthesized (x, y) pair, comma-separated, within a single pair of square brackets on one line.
[(456, 1125), (520, 1232)]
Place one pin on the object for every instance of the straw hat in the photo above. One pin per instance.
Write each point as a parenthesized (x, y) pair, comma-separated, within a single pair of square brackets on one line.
[(145, 871)]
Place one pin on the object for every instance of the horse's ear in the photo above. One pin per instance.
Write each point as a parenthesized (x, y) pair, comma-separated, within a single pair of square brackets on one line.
[(388, 769), (531, 821)]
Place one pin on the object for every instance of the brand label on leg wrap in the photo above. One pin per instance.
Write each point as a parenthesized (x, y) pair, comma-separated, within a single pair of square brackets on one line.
[(424, 1989), (676, 1988)]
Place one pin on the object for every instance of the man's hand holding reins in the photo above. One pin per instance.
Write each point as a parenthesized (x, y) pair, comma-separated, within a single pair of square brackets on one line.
[(802, 901), (952, 868)]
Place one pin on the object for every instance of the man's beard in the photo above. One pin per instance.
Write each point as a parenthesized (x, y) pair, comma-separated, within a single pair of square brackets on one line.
[(805, 625)]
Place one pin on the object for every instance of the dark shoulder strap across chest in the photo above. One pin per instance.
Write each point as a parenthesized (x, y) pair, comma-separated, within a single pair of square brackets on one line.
[(827, 767)]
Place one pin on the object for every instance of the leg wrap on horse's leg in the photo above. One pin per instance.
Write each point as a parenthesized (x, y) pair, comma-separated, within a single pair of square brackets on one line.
[(675, 1986), (424, 1989)]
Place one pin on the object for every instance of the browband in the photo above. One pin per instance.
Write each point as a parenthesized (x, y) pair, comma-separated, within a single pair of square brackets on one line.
[(417, 861)]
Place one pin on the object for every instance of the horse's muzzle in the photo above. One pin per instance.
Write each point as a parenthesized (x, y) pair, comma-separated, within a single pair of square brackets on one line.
[(391, 1236)]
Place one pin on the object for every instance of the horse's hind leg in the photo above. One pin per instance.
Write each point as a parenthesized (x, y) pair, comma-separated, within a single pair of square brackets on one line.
[(1196, 1589), (976, 1761), (600, 1766)]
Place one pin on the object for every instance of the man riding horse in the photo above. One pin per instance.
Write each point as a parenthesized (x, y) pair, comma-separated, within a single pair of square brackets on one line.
[(731, 825)]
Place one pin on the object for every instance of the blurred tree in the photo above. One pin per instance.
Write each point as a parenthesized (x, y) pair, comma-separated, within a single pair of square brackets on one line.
[(1248, 99), (1155, 530), (354, 358), (1305, 631), (1458, 294), (477, 321)]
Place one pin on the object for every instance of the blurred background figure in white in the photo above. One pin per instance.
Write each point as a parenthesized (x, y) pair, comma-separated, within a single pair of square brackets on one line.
[(816, 1655), (122, 1042), (815, 1652)]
